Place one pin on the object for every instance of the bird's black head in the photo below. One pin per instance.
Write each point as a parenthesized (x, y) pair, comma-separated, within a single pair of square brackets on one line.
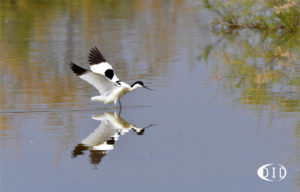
[(139, 84)]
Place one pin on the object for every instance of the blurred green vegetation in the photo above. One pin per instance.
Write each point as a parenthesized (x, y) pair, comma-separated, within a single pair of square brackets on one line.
[(259, 68), (257, 14)]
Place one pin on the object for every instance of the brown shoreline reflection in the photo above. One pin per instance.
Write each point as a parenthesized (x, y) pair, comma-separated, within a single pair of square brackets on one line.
[(104, 137), (35, 50)]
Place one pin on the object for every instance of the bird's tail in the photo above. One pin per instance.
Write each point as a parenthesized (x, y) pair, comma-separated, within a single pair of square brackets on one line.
[(98, 98)]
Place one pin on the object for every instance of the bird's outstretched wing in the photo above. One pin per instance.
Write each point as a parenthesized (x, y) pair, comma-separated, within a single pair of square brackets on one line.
[(98, 64), (100, 82)]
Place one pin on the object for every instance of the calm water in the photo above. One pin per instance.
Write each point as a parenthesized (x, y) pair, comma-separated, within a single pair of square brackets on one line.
[(224, 103)]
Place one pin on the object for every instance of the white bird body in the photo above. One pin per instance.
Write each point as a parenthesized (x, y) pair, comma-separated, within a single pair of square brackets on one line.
[(112, 96), (103, 78)]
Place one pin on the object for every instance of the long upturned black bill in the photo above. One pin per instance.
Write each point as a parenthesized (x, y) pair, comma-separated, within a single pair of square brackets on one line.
[(148, 88)]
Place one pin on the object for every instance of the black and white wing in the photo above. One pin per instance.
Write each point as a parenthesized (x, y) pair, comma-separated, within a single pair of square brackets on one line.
[(102, 138), (100, 82), (98, 64)]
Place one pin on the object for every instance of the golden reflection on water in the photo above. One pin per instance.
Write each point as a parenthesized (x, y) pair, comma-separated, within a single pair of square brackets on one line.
[(35, 49), (39, 38)]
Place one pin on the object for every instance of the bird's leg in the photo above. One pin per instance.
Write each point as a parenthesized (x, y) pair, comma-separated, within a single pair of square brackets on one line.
[(120, 107), (120, 104)]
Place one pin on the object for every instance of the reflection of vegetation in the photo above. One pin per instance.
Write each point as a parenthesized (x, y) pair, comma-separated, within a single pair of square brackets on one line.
[(263, 65), (40, 38), (261, 14), (262, 69)]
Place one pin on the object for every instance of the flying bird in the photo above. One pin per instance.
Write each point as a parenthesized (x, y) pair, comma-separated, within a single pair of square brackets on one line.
[(102, 76)]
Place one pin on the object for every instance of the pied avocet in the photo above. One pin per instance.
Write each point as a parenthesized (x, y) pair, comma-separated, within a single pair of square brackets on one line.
[(103, 78)]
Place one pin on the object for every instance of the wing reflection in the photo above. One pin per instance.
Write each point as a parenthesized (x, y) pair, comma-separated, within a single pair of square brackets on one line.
[(103, 138)]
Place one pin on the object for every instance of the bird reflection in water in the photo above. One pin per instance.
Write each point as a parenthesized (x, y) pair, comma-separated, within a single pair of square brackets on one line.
[(103, 138)]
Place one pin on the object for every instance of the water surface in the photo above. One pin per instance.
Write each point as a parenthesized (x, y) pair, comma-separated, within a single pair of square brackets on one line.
[(223, 105)]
